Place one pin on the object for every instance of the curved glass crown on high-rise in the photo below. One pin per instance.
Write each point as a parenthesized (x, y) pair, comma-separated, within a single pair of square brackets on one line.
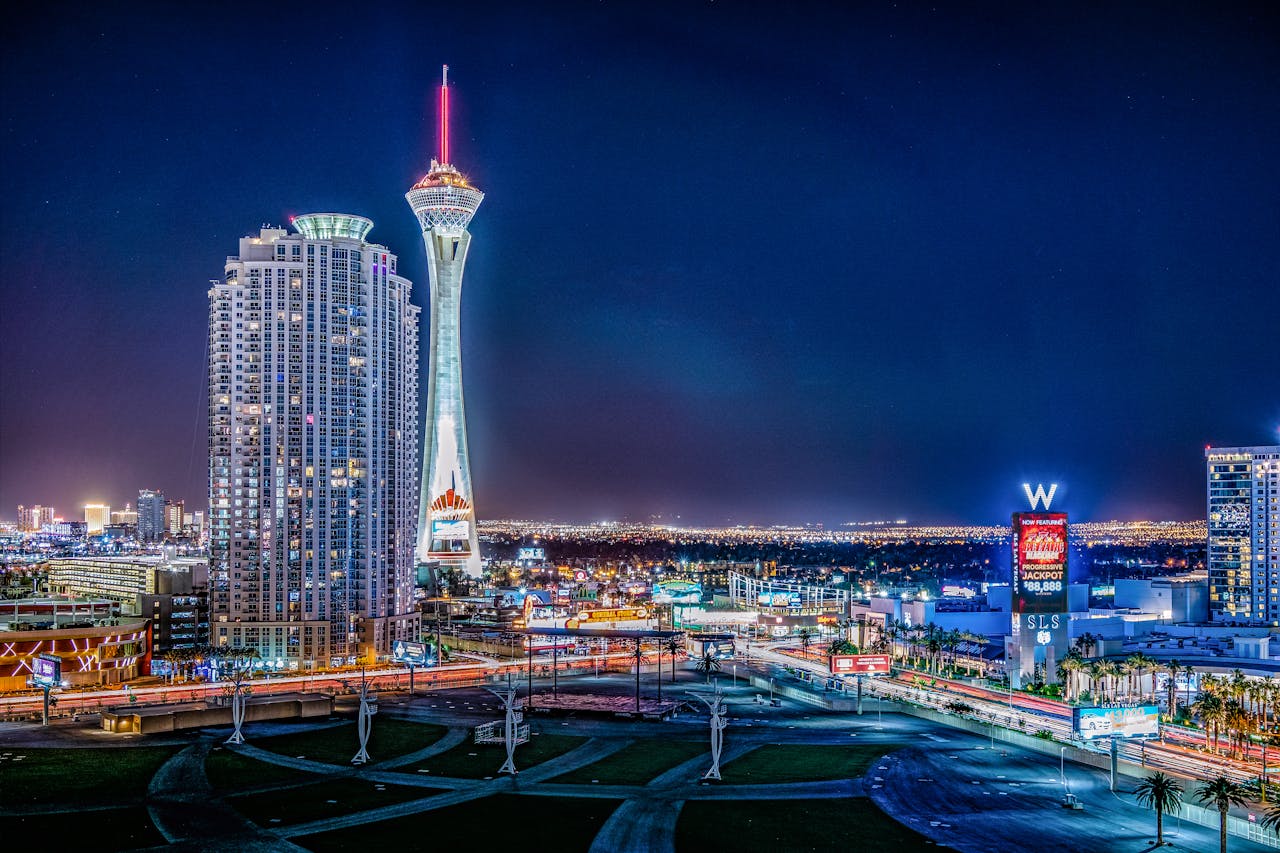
[(444, 202)]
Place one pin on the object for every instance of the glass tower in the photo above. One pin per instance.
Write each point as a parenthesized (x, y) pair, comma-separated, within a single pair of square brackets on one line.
[(1243, 554)]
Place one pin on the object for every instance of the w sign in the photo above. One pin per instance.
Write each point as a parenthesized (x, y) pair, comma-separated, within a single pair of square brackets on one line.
[(1039, 496)]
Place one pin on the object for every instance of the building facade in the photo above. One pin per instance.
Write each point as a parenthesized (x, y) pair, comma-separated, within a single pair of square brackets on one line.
[(313, 353), (1243, 555), (151, 516), (127, 579), (444, 202), (96, 518), (34, 518)]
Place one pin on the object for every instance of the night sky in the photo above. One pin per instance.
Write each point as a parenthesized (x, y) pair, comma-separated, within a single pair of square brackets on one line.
[(736, 262)]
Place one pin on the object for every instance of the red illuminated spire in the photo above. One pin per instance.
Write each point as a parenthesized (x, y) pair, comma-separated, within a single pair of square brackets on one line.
[(444, 115)]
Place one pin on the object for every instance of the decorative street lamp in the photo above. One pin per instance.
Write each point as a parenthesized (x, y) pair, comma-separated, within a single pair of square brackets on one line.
[(364, 721)]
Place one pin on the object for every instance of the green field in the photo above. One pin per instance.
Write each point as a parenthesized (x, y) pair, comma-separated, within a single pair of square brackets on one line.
[(103, 829), (637, 763), (389, 738), (231, 771), (331, 798), (773, 826), (500, 822), (80, 777), (774, 764), (472, 761)]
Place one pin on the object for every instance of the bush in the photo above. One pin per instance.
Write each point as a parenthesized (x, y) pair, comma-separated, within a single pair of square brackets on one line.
[(1044, 734)]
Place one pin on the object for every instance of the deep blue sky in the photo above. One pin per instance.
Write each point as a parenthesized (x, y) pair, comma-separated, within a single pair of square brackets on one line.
[(736, 262)]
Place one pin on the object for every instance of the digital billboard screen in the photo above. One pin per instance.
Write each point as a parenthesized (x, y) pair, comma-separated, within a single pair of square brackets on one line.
[(412, 654), (677, 592), (47, 670), (1039, 544), (532, 555), (860, 665), (1132, 722), (450, 529)]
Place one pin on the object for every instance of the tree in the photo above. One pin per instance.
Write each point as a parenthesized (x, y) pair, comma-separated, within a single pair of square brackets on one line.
[(806, 637), (1171, 687), (1222, 794), (1067, 669), (1212, 713), (707, 665), (673, 645), (841, 647), (1162, 793), (1271, 820), (1087, 643)]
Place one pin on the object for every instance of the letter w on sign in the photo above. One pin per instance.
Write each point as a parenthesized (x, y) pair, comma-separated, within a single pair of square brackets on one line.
[(1039, 496)]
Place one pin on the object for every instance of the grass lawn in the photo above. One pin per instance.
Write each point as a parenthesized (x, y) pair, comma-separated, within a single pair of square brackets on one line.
[(331, 798), (774, 764), (637, 763), (389, 738), (501, 822), (230, 771), (470, 760), (107, 829), (91, 776), (770, 826)]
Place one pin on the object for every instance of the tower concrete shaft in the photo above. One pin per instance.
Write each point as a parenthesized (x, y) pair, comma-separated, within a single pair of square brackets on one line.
[(444, 203)]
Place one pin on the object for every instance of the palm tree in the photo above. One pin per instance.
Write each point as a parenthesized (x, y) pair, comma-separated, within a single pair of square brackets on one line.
[(1162, 793), (1071, 664), (1138, 663), (1212, 713), (708, 664), (1098, 680), (673, 645), (1087, 643), (806, 637), (1171, 687), (1222, 794), (841, 647), (1271, 820)]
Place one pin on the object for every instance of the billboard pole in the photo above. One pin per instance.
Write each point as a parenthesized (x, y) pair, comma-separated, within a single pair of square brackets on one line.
[(1115, 761)]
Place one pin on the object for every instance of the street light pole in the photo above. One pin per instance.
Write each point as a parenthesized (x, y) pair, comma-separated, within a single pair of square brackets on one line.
[(1062, 766)]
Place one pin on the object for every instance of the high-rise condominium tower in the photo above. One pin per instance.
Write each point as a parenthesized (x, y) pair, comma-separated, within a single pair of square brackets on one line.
[(313, 354), (151, 520), (1244, 533), (444, 202)]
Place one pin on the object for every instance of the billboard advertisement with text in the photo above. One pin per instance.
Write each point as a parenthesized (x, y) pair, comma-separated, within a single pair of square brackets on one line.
[(1039, 562), (47, 670), (1135, 721), (860, 664)]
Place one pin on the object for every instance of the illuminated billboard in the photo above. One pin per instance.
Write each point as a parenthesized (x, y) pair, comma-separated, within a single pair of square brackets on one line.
[(1039, 543), (410, 654), (677, 592), (860, 665), (778, 599), (531, 555), (46, 670), (447, 529), (1134, 721)]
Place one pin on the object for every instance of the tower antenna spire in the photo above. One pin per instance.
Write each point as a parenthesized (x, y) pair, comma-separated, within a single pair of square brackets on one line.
[(444, 115)]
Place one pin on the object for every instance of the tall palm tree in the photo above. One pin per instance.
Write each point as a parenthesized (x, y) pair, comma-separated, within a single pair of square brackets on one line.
[(1211, 709), (708, 664), (1097, 680), (1171, 687), (1087, 643), (1162, 793), (1139, 663), (1222, 794), (1077, 666), (805, 636), (673, 645)]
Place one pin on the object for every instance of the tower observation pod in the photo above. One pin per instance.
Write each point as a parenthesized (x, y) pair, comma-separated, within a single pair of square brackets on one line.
[(444, 202)]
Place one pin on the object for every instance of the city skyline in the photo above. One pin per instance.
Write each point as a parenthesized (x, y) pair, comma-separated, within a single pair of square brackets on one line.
[(895, 273)]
